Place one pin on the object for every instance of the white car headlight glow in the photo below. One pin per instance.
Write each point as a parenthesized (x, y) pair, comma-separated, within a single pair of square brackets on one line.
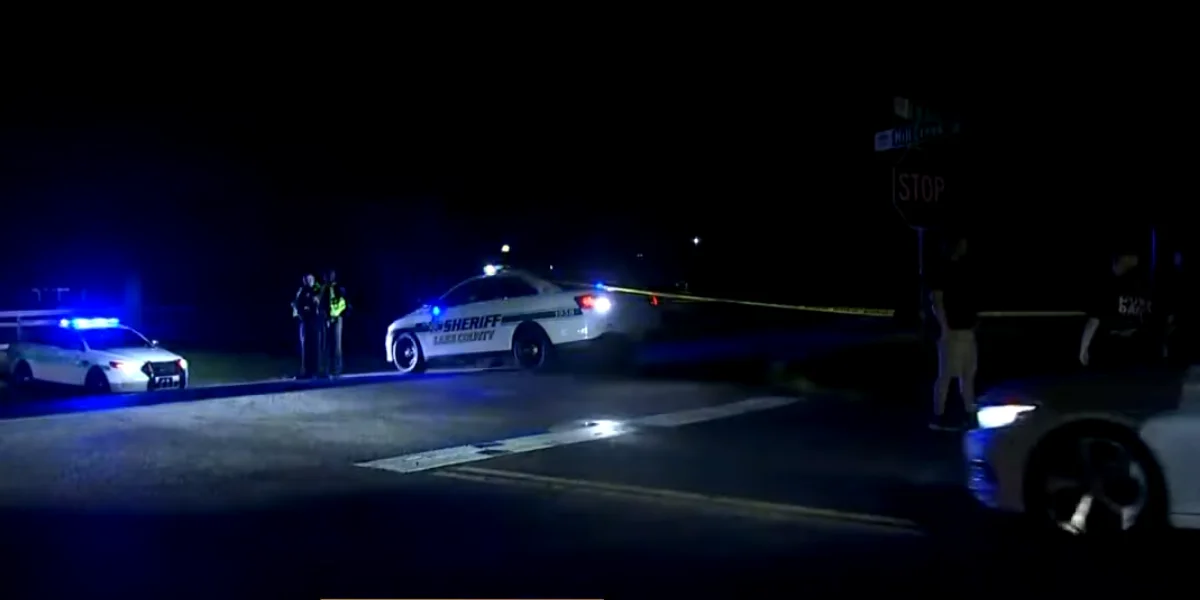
[(126, 367), (605, 427), (601, 304), (1001, 415)]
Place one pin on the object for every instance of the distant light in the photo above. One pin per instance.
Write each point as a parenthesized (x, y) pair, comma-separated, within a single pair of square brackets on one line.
[(505, 248), (640, 255), (489, 270), (599, 285), (551, 267), (695, 241), (437, 310)]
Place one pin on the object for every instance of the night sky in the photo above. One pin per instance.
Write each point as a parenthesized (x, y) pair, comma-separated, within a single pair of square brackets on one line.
[(215, 186)]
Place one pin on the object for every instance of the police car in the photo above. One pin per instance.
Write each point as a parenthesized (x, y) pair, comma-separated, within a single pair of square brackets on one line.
[(517, 316), (1092, 454), (99, 354)]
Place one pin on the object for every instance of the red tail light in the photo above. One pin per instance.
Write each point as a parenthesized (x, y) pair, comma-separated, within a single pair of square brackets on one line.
[(653, 300), (586, 302)]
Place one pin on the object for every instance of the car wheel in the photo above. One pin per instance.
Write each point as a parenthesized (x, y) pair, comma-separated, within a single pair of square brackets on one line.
[(407, 354), (531, 348), (96, 382), (1095, 482), (22, 375)]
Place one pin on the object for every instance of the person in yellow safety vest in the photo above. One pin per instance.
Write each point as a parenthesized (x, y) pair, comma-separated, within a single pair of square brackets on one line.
[(334, 305), (306, 307)]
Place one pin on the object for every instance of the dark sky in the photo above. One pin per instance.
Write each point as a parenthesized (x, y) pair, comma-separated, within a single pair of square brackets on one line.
[(405, 179)]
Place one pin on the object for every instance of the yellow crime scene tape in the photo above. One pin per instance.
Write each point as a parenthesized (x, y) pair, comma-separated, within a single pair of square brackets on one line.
[(840, 310)]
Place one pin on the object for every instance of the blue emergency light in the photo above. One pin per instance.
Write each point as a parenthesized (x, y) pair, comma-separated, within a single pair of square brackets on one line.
[(437, 310), (95, 323)]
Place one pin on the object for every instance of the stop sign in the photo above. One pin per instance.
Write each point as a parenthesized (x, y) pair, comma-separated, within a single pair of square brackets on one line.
[(921, 195)]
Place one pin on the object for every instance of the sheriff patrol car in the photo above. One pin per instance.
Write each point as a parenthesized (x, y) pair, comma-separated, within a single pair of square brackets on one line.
[(516, 315), (99, 354)]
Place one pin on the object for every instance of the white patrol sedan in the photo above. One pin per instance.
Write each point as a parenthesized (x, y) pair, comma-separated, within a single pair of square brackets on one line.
[(98, 354), (1092, 454), (516, 315)]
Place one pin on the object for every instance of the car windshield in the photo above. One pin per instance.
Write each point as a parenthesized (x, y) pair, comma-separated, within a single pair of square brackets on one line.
[(117, 337)]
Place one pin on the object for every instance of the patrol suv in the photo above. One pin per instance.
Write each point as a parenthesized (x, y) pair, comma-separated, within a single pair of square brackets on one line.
[(98, 354), (517, 316)]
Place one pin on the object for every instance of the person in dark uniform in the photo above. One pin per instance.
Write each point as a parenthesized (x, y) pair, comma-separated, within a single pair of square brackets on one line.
[(1119, 332), (306, 307), (334, 305), (1174, 298), (955, 302)]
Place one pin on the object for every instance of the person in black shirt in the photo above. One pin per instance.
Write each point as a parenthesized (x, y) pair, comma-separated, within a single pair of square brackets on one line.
[(955, 305), (1174, 299), (1119, 332), (306, 307)]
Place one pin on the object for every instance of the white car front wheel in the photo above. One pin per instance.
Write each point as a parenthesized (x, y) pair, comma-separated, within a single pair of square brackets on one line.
[(407, 354), (1095, 483)]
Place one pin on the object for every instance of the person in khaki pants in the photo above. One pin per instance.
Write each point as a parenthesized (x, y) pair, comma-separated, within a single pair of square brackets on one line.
[(955, 304)]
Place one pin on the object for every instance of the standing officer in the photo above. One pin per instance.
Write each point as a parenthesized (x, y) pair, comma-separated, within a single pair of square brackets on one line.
[(307, 308), (334, 305)]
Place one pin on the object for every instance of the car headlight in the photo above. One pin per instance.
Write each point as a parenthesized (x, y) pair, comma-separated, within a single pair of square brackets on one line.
[(1002, 415)]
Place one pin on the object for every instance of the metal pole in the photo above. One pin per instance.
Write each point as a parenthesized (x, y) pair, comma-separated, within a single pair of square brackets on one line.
[(1153, 251)]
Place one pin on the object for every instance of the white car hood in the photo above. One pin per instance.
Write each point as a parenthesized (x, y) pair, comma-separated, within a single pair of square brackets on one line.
[(416, 317), (139, 355)]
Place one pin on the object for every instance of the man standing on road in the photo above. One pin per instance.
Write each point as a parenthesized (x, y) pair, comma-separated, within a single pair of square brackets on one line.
[(306, 307), (334, 305), (955, 305), (1175, 299), (1117, 333)]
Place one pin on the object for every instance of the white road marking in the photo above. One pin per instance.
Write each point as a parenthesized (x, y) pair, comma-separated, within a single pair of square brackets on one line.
[(457, 455)]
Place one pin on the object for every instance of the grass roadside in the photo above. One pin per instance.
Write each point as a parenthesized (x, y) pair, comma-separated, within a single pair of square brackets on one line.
[(216, 368)]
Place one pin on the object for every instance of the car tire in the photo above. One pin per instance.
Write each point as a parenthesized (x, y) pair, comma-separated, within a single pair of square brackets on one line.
[(531, 348), (1095, 481), (96, 382), (22, 375), (407, 355)]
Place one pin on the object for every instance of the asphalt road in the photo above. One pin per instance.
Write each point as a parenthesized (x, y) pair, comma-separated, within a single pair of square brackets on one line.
[(509, 484)]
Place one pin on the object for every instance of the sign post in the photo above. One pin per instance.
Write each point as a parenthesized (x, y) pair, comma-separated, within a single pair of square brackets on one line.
[(924, 190)]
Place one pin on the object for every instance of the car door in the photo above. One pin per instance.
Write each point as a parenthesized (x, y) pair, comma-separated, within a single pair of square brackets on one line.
[(515, 298), (468, 320), (70, 362), (47, 349)]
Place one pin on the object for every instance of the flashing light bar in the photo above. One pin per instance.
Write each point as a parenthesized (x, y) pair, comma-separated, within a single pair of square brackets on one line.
[(97, 323), (490, 270)]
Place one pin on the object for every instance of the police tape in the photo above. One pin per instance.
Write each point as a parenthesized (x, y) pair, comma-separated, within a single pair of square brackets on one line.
[(862, 312), (840, 310)]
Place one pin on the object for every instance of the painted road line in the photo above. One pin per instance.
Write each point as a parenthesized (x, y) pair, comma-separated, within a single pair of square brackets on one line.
[(597, 430), (758, 508)]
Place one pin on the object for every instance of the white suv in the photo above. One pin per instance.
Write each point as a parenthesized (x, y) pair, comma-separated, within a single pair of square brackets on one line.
[(99, 354)]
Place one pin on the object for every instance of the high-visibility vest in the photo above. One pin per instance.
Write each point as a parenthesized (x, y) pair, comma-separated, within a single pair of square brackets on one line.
[(337, 302)]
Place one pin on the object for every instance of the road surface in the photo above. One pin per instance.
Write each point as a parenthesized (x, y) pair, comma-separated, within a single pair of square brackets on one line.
[(317, 494)]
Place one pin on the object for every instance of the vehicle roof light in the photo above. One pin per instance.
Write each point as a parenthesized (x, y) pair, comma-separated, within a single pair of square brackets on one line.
[(94, 323), (490, 270)]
